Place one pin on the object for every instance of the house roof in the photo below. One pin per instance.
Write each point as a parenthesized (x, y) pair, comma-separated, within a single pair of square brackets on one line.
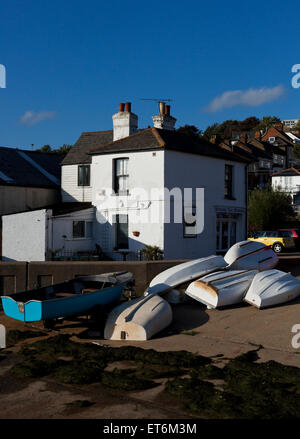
[(59, 208), (64, 208), (79, 152), (287, 172), (270, 148), (273, 131), (155, 138), (29, 168), (239, 151), (257, 152)]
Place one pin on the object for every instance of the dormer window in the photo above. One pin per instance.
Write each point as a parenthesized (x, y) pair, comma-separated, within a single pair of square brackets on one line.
[(83, 175), (272, 139)]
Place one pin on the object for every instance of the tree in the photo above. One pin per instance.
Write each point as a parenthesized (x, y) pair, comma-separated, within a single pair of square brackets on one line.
[(225, 129), (267, 122), (45, 148), (63, 150), (190, 130), (268, 209), (296, 150)]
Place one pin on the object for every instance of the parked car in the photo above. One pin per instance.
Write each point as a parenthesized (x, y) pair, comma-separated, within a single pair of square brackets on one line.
[(277, 240), (293, 233)]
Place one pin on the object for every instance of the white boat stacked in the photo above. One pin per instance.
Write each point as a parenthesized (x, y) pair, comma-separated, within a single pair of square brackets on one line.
[(222, 288), (173, 277), (244, 255), (248, 255), (138, 319), (272, 287)]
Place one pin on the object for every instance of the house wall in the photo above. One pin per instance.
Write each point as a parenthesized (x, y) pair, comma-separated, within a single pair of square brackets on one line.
[(15, 199), (69, 188), (60, 233), (290, 184), (165, 169), (192, 171), (24, 236), (145, 172)]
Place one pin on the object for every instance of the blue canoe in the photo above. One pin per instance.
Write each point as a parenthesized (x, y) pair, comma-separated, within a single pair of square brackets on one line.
[(64, 299)]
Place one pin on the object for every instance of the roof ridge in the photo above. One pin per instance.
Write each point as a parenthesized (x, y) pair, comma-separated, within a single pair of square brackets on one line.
[(95, 132), (96, 148), (287, 169)]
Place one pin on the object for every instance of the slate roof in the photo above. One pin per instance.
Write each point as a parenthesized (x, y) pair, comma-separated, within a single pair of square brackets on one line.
[(257, 152), (17, 171), (270, 148), (78, 154), (155, 138), (239, 151)]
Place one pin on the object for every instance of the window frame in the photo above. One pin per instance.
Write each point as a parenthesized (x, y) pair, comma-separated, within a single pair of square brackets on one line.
[(86, 179), (229, 196), (115, 182), (85, 229)]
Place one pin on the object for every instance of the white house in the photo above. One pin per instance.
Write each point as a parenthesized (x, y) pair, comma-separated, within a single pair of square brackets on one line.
[(288, 180), (156, 186)]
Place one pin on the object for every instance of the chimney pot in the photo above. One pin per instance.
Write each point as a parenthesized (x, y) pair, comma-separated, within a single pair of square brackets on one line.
[(167, 110), (121, 107), (128, 107), (162, 108)]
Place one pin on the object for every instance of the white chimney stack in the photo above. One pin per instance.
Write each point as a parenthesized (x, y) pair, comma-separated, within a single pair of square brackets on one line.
[(125, 123), (164, 120)]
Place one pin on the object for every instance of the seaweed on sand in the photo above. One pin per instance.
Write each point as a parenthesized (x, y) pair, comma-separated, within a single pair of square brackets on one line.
[(124, 380), (250, 390), (77, 372), (14, 335)]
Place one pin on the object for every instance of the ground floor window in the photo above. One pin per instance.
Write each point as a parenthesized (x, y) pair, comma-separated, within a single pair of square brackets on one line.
[(82, 229), (226, 227)]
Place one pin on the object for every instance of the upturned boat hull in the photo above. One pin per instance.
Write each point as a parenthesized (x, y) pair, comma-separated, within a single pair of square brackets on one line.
[(186, 272), (138, 319), (271, 288), (250, 255), (221, 288)]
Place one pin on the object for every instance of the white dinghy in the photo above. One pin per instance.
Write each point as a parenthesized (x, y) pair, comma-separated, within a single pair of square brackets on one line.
[(168, 280), (138, 319), (248, 255), (272, 287), (222, 288)]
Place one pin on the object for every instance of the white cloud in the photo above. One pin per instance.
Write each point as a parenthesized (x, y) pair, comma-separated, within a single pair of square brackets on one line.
[(252, 97), (30, 117)]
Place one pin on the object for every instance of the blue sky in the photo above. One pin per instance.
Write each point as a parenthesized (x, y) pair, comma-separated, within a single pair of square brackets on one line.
[(69, 64)]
